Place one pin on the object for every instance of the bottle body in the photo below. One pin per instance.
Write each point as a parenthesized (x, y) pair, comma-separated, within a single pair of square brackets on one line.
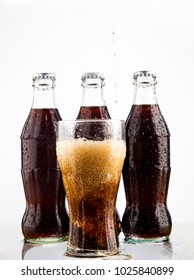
[(146, 175), (45, 218)]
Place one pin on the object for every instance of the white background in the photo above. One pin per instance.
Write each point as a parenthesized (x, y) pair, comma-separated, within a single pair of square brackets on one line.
[(71, 37)]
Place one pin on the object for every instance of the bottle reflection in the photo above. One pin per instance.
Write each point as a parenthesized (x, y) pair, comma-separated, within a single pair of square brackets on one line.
[(149, 251), (54, 251)]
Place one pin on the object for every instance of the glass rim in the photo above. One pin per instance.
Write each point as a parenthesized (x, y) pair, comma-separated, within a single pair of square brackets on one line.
[(91, 121), (65, 129)]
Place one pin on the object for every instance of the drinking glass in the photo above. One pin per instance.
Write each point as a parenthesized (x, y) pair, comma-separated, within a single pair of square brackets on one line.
[(91, 155)]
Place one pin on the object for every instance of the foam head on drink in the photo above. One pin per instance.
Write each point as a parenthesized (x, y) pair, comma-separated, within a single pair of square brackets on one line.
[(91, 173)]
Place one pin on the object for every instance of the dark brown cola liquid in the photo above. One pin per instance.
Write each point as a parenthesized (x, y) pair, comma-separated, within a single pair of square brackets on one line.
[(146, 174), (45, 215), (93, 112), (97, 112)]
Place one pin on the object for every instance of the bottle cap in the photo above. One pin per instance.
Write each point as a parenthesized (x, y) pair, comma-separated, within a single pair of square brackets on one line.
[(44, 80), (145, 77), (93, 78)]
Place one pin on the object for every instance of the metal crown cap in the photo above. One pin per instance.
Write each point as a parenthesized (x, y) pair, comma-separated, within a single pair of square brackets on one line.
[(91, 76), (43, 79), (144, 77)]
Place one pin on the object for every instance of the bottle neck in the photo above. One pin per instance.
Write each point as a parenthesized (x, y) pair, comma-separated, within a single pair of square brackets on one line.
[(92, 96), (43, 99), (145, 95)]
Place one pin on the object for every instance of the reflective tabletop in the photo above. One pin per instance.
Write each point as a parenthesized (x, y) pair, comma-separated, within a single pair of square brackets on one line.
[(179, 247)]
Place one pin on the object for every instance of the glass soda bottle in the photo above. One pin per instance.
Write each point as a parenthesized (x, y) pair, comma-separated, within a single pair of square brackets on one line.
[(146, 170), (93, 106), (45, 219)]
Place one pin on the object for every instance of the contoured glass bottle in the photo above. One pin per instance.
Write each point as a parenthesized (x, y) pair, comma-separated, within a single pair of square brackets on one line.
[(146, 170), (45, 219)]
